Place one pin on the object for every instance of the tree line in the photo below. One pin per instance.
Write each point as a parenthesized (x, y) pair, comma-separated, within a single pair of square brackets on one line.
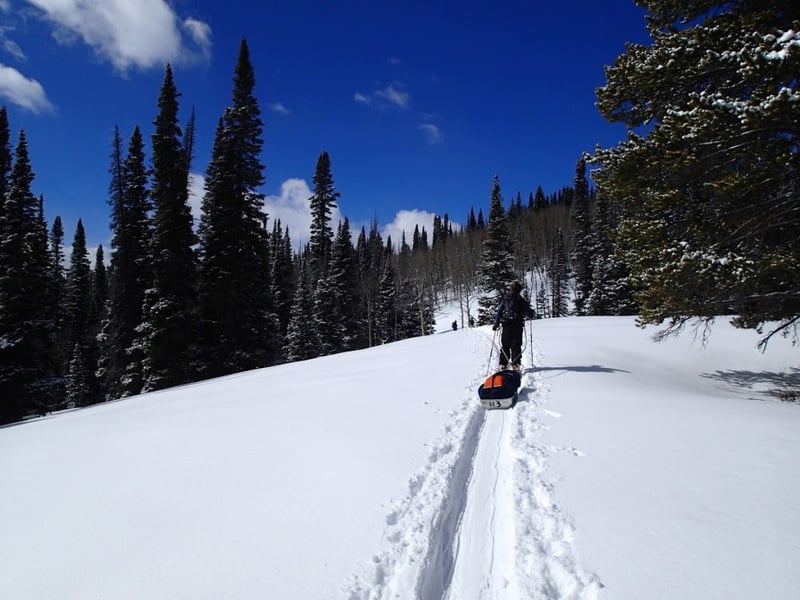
[(177, 305), (694, 216)]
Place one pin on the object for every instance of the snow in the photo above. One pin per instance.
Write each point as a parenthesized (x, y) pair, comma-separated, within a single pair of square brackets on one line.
[(627, 470)]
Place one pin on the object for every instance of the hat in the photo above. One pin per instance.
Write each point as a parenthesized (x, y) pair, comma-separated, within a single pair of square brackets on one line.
[(515, 286)]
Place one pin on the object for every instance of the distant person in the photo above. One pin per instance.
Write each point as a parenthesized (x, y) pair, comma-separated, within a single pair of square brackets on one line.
[(455, 325), (471, 321), (511, 313)]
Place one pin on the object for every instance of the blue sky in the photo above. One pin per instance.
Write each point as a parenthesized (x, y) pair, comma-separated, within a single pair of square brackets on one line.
[(419, 103)]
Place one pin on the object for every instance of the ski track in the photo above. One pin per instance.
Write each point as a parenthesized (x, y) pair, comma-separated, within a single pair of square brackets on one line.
[(481, 519)]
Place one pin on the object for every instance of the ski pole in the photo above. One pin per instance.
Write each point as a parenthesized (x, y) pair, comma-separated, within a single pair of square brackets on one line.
[(491, 352)]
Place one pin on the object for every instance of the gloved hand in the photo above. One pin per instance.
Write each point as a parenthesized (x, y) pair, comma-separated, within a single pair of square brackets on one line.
[(496, 326)]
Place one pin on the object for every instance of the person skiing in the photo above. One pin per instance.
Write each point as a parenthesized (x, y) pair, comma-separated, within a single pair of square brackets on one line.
[(513, 310)]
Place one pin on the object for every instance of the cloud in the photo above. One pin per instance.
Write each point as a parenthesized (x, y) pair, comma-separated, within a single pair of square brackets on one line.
[(391, 95), (407, 220), (24, 92), (395, 61), (5, 5), (200, 33), (432, 133), (394, 95), (197, 189), (140, 34), (14, 50), (293, 209), (278, 107)]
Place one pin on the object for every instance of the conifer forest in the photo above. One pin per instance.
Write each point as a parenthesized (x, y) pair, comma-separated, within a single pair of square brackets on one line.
[(693, 216)]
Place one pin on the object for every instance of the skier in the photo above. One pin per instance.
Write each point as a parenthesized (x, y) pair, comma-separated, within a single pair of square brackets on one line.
[(513, 310)]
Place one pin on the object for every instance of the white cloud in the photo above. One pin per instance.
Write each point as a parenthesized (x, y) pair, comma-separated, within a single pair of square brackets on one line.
[(142, 34), (432, 133), (14, 50), (5, 5), (391, 95), (394, 95), (197, 183), (200, 33), (24, 92), (278, 107), (293, 209), (407, 220)]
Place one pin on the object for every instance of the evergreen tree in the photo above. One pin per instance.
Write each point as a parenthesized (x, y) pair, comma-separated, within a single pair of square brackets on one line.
[(28, 374), (122, 357), (496, 258), (343, 284), (611, 293), (82, 326), (6, 157), (60, 350), (301, 339), (581, 238), (559, 277), (709, 191), (282, 276), (238, 328), (386, 313), (100, 281), (167, 333), (539, 201), (322, 204)]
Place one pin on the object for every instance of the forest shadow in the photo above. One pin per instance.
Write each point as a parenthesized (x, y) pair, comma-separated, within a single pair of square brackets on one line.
[(783, 385)]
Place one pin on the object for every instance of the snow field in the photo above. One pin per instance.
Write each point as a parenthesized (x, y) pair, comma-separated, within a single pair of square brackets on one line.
[(627, 470)]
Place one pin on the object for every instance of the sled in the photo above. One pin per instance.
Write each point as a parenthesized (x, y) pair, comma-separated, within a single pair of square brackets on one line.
[(500, 390)]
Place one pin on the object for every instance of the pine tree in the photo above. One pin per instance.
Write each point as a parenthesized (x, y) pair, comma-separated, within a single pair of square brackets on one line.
[(611, 293), (6, 157), (28, 374), (322, 202), (283, 278), (343, 276), (496, 258), (82, 326), (709, 190), (581, 238), (238, 328), (301, 339), (559, 277), (386, 310), (60, 349), (167, 333), (123, 353)]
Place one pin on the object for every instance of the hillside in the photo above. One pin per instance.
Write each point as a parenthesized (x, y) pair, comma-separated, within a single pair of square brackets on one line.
[(628, 470)]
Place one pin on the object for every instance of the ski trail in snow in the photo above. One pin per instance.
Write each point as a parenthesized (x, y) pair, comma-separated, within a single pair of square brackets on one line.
[(422, 525), (481, 520), (546, 559)]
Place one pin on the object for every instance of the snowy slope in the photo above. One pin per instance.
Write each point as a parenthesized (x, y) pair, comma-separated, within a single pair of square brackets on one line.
[(627, 470)]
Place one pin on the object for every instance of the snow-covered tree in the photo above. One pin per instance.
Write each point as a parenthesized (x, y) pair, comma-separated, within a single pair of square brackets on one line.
[(167, 335), (581, 231), (122, 357), (322, 202), (238, 329), (559, 277), (708, 177), (28, 373), (496, 259)]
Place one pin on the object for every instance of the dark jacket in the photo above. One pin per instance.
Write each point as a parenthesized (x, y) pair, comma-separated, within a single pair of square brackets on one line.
[(513, 308)]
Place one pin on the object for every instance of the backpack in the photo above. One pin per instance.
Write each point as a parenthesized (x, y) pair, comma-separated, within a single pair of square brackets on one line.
[(513, 308)]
